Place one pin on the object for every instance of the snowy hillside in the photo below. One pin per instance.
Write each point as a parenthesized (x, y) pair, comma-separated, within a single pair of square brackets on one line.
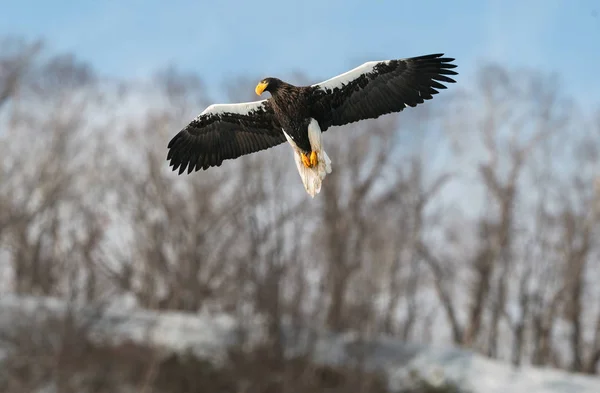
[(208, 337)]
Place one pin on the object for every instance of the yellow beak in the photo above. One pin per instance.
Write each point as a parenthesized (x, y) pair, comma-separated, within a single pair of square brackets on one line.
[(260, 88)]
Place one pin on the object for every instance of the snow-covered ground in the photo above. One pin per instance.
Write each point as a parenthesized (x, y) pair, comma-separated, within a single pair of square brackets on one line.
[(208, 336)]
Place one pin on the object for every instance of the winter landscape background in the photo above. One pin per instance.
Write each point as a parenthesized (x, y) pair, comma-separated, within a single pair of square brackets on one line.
[(454, 246)]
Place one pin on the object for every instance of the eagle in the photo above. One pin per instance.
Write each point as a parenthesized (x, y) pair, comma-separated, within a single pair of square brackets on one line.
[(300, 114)]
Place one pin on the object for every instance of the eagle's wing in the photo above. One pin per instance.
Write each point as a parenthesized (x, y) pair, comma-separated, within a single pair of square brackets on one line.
[(223, 132), (379, 87)]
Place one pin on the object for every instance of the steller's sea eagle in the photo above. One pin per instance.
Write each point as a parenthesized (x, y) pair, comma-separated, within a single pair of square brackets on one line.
[(299, 114)]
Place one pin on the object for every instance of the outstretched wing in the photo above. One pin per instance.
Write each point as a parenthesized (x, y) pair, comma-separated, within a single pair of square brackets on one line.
[(222, 132), (379, 87)]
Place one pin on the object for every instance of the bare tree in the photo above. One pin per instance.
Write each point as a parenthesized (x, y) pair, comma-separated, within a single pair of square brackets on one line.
[(46, 221)]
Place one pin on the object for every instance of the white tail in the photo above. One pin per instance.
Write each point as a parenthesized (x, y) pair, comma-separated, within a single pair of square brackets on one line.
[(312, 178)]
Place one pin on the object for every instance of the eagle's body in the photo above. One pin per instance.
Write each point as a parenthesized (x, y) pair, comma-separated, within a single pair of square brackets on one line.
[(299, 114), (291, 107)]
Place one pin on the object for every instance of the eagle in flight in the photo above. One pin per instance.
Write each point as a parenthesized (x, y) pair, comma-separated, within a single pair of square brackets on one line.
[(299, 114)]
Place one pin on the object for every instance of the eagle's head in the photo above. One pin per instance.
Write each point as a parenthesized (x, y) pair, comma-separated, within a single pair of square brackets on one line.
[(268, 84)]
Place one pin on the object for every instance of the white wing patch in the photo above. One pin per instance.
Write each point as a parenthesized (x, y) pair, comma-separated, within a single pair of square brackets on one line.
[(342, 79), (241, 108)]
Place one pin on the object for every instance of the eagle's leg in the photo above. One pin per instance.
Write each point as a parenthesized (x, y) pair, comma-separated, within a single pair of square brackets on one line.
[(310, 161), (313, 159), (305, 160)]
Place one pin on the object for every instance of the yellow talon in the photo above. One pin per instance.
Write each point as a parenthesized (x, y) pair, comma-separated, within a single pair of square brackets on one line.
[(305, 160), (311, 161)]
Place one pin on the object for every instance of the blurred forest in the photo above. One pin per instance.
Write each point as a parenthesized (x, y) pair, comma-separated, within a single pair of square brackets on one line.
[(472, 220)]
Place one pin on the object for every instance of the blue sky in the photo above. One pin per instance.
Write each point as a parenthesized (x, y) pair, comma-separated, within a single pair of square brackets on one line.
[(221, 39)]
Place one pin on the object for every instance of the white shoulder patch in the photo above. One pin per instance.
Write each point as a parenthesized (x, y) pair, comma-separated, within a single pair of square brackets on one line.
[(241, 108), (342, 79)]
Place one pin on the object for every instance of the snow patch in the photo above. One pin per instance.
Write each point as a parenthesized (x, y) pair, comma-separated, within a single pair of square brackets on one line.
[(208, 336)]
